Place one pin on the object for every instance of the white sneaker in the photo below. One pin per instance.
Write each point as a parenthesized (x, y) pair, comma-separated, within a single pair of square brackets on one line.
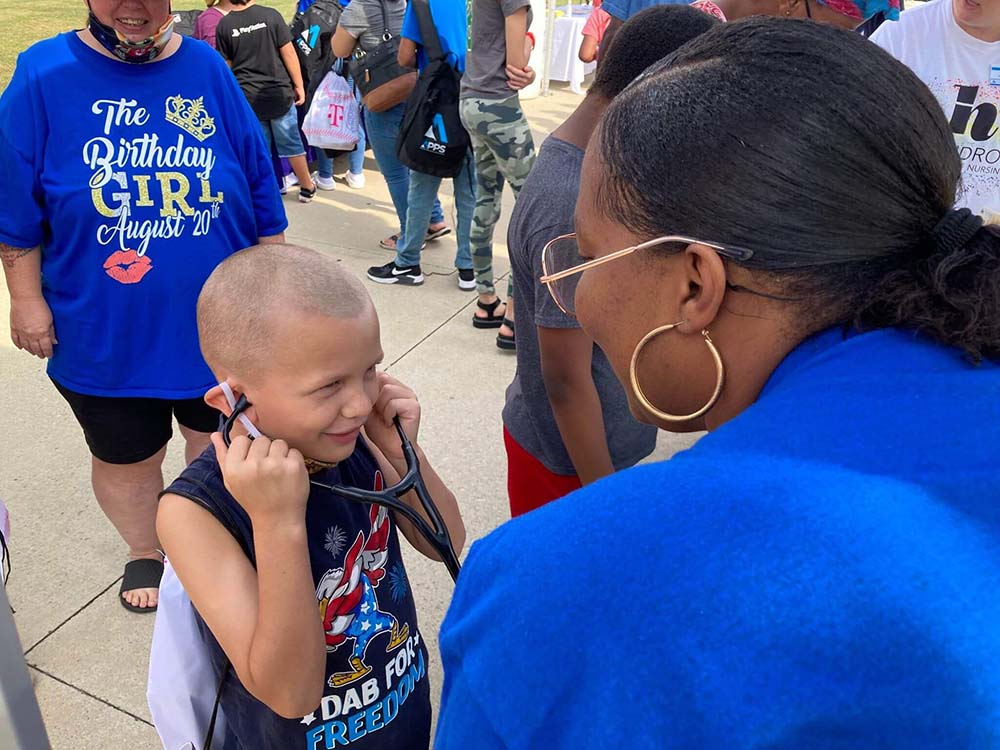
[(324, 183), (356, 181), (290, 181)]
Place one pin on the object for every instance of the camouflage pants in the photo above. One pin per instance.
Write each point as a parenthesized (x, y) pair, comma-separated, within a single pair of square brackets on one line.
[(504, 150)]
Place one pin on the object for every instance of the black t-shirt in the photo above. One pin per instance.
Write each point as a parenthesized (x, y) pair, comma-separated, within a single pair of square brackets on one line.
[(377, 691), (250, 40)]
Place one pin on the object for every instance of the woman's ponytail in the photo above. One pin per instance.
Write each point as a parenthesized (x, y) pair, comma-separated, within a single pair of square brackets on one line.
[(951, 294)]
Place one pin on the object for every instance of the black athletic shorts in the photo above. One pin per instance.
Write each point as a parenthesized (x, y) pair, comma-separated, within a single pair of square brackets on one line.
[(130, 430)]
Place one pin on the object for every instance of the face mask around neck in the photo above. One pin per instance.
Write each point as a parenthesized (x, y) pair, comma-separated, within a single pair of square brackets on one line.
[(144, 51)]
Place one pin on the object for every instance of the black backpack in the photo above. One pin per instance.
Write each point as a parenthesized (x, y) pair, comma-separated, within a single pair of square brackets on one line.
[(311, 31), (432, 139)]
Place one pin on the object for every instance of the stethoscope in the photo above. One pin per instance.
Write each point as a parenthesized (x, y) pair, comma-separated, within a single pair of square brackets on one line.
[(436, 533)]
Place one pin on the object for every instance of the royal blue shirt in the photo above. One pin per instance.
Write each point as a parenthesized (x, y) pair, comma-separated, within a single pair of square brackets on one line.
[(452, 28), (376, 693), (625, 9), (136, 181), (823, 571)]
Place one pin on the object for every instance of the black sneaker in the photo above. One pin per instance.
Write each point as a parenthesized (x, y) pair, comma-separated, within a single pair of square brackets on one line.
[(306, 196), (390, 273), (466, 279)]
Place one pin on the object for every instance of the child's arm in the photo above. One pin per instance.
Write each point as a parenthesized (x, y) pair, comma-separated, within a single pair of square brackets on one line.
[(588, 49), (266, 621), (291, 61), (519, 46), (566, 355), (516, 32), (395, 399)]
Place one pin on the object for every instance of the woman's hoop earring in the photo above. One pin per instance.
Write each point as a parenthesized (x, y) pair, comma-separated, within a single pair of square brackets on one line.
[(647, 404)]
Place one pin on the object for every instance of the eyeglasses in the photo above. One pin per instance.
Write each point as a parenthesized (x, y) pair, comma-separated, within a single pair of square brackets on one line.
[(436, 533), (563, 267)]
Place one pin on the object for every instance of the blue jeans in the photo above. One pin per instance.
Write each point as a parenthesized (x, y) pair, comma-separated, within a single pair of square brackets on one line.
[(356, 159), (423, 194), (383, 127), (285, 132)]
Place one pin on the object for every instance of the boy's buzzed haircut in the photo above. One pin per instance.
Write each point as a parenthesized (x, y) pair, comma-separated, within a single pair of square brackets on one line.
[(251, 289), (646, 38)]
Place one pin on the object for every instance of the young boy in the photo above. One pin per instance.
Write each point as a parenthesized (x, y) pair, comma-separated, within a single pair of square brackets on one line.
[(566, 420), (303, 592), (258, 46)]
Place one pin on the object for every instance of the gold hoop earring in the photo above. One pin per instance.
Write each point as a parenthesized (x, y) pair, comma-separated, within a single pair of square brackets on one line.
[(647, 404)]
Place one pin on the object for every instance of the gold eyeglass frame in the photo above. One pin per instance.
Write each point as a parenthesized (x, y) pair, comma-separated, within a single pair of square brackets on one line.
[(548, 277)]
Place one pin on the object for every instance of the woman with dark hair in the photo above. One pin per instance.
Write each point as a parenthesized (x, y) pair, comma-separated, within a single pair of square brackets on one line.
[(769, 252)]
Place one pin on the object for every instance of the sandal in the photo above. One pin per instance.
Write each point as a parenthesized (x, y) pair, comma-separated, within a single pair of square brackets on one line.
[(140, 574), (504, 341), (492, 320), (433, 234), (392, 241)]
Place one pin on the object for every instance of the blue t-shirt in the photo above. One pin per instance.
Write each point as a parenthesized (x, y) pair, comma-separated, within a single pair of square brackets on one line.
[(451, 23), (377, 692), (136, 180), (823, 571), (625, 9)]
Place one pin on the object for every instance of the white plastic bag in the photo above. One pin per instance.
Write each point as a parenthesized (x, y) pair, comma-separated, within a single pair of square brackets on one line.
[(334, 117), (182, 684)]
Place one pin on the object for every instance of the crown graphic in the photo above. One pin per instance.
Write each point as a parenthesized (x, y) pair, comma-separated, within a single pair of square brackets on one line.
[(190, 114)]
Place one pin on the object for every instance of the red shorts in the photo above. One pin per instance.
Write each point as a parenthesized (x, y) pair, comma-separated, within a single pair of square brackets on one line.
[(529, 484)]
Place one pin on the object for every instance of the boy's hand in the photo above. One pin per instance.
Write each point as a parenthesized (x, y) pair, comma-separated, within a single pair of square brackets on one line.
[(266, 477), (519, 78), (394, 400), (300, 96)]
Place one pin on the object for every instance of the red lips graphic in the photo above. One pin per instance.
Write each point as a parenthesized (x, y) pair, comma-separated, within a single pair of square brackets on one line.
[(127, 267)]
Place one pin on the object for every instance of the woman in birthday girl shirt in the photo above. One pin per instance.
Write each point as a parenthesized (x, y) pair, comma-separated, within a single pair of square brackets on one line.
[(132, 166)]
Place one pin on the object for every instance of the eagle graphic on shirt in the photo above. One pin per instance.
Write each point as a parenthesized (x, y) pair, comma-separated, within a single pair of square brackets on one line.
[(348, 602)]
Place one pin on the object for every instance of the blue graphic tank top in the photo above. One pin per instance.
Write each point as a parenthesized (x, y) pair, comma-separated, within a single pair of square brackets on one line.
[(376, 692)]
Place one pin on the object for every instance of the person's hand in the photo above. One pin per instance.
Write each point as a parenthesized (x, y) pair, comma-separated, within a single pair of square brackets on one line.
[(31, 326), (266, 477), (300, 96), (519, 78), (394, 400)]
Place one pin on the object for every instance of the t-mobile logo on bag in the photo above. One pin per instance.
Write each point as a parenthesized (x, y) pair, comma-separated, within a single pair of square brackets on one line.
[(335, 114)]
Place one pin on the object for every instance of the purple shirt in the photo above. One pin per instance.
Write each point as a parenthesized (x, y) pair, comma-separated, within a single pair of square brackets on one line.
[(204, 27)]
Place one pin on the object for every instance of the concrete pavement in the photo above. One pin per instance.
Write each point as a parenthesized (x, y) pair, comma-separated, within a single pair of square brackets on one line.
[(87, 655)]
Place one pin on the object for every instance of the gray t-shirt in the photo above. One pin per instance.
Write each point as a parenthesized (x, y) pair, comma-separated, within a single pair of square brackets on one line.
[(362, 19), (544, 209), (486, 64)]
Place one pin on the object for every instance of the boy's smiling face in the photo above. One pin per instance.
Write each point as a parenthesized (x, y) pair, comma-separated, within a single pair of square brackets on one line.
[(318, 387)]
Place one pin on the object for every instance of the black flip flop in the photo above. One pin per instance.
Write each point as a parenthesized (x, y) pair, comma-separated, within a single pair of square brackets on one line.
[(140, 574), (504, 341), (492, 320), (437, 234)]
